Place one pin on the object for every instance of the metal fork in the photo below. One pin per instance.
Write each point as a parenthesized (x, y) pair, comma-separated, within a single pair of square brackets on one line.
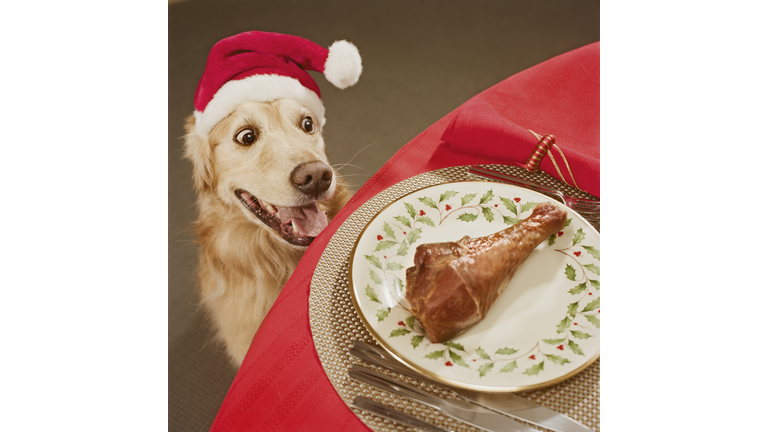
[(586, 207)]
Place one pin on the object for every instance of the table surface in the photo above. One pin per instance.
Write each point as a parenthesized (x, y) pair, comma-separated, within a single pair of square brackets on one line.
[(282, 384)]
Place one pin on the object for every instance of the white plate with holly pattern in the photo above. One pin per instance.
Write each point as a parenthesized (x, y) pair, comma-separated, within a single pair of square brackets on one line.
[(543, 329)]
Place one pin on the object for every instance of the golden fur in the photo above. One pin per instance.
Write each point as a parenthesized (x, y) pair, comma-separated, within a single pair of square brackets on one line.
[(243, 263)]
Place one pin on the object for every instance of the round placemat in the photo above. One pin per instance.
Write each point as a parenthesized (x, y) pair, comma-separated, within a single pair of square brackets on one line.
[(335, 324)]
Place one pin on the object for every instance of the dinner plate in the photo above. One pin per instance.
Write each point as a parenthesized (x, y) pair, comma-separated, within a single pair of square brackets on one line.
[(543, 329)]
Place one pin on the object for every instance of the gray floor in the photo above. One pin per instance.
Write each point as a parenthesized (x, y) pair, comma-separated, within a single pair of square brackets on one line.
[(421, 60)]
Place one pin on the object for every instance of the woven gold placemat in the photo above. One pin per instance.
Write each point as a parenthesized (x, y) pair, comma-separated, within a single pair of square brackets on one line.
[(335, 324)]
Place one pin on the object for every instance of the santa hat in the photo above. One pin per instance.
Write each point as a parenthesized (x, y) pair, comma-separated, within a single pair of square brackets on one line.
[(262, 67)]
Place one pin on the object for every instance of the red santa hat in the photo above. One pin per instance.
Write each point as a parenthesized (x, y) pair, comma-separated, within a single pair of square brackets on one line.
[(262, 67)]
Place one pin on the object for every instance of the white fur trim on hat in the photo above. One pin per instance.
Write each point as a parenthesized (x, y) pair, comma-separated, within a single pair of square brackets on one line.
[(343, 65), (259, 88)]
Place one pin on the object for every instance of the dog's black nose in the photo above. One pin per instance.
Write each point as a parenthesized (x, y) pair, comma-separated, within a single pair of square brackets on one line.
[(312, 178)]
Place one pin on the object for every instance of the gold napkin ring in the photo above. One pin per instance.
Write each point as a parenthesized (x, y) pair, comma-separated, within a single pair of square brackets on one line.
[(541, 150)]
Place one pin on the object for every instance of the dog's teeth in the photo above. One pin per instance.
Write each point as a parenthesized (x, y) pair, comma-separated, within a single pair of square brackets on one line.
[(293, 224), (270, 208)]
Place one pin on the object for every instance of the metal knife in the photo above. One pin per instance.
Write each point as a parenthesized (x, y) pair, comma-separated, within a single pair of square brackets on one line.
[(505, 403), (466, 412), (384, 411)]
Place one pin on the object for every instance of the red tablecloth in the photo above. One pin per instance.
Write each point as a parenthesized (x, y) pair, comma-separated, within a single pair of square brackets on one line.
[(281, 384)]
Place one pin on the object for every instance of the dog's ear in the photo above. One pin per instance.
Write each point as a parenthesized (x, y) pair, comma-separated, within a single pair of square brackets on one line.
[(198, 150)]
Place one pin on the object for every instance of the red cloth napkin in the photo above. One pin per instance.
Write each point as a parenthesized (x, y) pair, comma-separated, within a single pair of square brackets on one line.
[(281, 385), (567, 98)]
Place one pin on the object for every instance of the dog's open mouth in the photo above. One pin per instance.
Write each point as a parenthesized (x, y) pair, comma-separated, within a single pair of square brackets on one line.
[(297, 225)]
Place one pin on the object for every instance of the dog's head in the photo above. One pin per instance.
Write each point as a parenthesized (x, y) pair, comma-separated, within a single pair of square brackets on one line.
[(268, 160)]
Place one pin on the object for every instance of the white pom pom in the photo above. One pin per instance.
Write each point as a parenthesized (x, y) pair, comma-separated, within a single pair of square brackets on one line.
[(343, 65)]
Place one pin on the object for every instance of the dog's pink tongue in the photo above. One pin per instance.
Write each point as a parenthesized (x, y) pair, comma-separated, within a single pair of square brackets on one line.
[(308, 221)]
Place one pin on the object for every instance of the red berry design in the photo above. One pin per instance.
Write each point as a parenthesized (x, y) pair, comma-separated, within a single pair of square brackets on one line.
[(560, 347), (495, 205), (385, 257), (560, 234), (401, 324), (577, 253), (517, 199), (575, 323), (448, 364), (447, 207), (405, 233), (532, 357), (421, 213), (379, 237), (590, 293)]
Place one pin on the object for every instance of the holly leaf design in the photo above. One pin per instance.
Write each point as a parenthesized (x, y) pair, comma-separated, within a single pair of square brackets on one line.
[(447, 195), (385, 244), (428, 202), (394, 266), (410, 321), (467, 198), (388, 230), (414, 235), (454, 345), (595, 283), (467, 217), (382, 313), (572, 309), (527, 206), (593, 319), (552, 239), (554, 341), (593, 268), (556, 359), (594, 304), (398, 283), (375, 261), (403, 220), (457, 359), (575, 348), (488, 213), (578, 237), (416, 340), (578, 288), (568, 222), (375, 278), (510, 220), (403, 248), (580, 335), (509, 367), (592, 251), (487, 197), (535, 369), (399, 332), (570, 272), (371, 293), (506, 351), (509, 204), (434, 355), (484, 369), (411, 211), (483, 355), (426, 221), (563, 324)]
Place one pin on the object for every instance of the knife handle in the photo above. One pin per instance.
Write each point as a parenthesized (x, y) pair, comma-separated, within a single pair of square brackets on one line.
[(383, 382)]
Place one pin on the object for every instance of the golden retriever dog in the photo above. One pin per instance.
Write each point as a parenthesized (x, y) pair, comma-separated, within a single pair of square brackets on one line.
[(265, 190)]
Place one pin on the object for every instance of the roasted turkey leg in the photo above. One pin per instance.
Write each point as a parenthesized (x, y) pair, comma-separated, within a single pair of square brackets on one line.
[(452, 285)]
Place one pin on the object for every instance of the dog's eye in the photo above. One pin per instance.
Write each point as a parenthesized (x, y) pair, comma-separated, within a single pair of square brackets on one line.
[(308, 125), (246, 137)]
